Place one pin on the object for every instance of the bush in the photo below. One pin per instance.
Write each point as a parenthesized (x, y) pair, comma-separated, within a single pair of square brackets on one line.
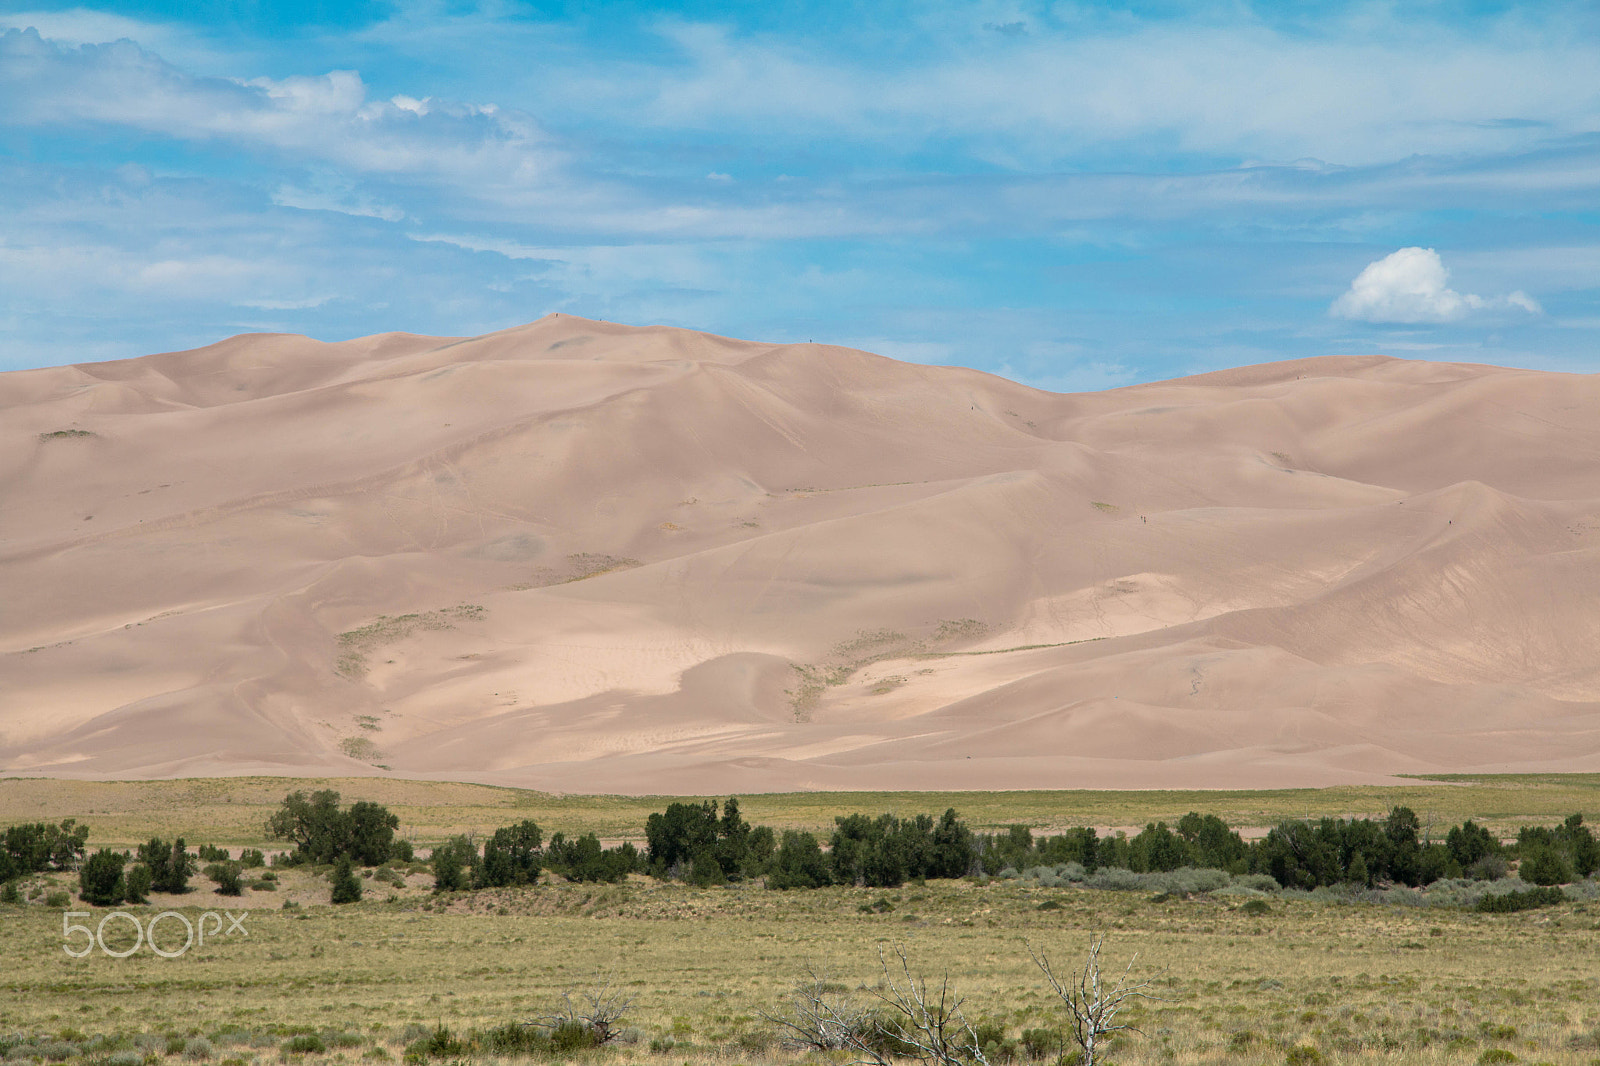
[(799, 863), (346, 885), (57, 899), (1255, 907), (225, 875), (453, 864), (1043, 1043), (304, 1044), (252, 859), (1495, 1056), (439, 1044), (1545, 866), (197, 1048), (9, 893), (170, 866), (1304, 1055), (514, 1039), (136, 884), (1116, 880), (1508, 902), (100, 881)]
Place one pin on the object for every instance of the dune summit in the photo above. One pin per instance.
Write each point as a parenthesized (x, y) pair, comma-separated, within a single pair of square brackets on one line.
[(587, 557)]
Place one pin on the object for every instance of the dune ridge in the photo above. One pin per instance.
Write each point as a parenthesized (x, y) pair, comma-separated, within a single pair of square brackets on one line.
[(588, 557)]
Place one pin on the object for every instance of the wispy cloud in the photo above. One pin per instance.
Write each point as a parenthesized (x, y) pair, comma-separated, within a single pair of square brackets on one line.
[(1077, 194), (326, 118)]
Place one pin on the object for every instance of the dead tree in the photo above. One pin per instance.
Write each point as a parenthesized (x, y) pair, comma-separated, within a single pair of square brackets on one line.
[(823, 1016), (598, 1010), (1093, 1005), (924, 1021)]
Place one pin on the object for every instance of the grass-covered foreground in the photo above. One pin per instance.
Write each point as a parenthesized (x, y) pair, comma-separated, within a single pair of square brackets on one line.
[(1239, 977), (1356, 982)]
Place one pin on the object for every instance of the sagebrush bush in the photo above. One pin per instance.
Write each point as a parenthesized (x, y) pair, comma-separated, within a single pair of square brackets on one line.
[(439, 1044), (304, 1044)]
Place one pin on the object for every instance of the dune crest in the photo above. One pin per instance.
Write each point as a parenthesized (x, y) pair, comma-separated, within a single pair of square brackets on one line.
[(588, 557)]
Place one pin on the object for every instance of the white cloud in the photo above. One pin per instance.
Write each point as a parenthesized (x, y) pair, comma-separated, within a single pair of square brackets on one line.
[(1412, 285)]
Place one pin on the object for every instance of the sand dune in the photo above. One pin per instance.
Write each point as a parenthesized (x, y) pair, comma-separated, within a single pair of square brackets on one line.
[(593, 558)]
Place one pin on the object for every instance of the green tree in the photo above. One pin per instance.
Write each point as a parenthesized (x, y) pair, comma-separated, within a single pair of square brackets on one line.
[(1544, 865), (799, 863), (369, 833), (100, 880), (1577, 840), (136, 884), (511, 856), (170, 866), (346, 885), (675, 836), (225, 875), (453, 864), (321, 831), (1470, 842), (953, 852)]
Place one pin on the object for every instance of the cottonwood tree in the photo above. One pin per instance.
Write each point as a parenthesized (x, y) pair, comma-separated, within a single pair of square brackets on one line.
[(1093, 1003)]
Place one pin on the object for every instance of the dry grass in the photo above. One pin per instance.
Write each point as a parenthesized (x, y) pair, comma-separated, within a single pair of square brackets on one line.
[(356, 644), (1358, 983), (234, 810)]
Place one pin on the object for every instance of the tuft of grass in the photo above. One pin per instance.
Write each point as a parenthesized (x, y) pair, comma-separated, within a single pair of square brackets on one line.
[(356, 644), (360, 748)]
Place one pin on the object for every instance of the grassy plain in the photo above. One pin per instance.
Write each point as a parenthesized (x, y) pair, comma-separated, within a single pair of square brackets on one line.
[(235, 809), (1359, 983)]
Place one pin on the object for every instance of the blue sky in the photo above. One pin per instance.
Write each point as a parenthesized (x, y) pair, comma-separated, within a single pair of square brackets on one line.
[(1077, 195)]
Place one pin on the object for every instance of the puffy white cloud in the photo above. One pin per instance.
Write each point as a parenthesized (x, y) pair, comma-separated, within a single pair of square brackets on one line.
[(1412, 286)]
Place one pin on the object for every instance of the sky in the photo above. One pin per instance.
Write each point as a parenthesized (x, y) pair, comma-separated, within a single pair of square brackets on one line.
[(1074, 195)]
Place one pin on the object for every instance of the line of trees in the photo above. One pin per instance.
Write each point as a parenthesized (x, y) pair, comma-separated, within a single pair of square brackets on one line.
[(38, 846), (708, 844), (513, 856)]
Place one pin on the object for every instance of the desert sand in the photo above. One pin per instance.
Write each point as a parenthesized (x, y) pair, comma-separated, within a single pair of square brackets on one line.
[(586, 557)]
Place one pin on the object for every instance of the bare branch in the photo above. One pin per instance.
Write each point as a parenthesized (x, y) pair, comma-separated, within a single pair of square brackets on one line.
[(926, 1019), (1092, 1005), (598, 1009), (822, 1015)]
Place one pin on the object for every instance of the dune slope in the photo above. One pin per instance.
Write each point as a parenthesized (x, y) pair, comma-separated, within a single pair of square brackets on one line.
[(587, 557)]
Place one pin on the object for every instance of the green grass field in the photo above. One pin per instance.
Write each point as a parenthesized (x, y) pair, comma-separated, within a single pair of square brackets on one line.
[(1355, 982), (234, 810)]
